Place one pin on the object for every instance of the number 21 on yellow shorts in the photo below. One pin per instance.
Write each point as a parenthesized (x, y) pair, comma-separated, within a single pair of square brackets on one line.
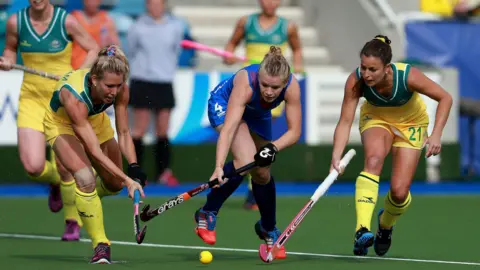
[(410, 137)]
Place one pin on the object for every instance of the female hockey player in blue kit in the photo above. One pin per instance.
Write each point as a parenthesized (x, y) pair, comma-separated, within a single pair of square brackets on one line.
[(245, 128)]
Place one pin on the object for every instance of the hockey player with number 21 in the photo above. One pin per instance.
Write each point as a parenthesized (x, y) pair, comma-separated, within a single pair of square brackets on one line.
[(240, 109)]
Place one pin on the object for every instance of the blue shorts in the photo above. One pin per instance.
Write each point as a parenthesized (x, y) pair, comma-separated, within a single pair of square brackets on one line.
[(217, 108)]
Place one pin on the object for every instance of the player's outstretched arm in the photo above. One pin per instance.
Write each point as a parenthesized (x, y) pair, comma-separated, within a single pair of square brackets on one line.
[(293, 111), (417, 81), (78, 114), (241, 94), (347, 115)]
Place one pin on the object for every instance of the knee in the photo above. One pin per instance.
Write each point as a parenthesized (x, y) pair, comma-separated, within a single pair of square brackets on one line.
[(238, 163), (374, 163), (139, 130), (399, 193), (112, 184), (138, 133), (261, 176), (85, 180), (33, 166)]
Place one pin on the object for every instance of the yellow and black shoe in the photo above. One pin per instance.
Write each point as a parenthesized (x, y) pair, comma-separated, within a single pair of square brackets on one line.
[(383, 239)]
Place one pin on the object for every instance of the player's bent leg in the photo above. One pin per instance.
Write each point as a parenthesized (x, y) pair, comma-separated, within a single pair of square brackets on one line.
[(106, 183), (31, 146), (263, 186), (243, 150), (72, 155), (377, 142), (73, 222), (264, 191), (398, 199)]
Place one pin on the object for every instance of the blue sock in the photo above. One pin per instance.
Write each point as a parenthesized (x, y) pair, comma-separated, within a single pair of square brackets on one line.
[(265, 195), (218, 196)]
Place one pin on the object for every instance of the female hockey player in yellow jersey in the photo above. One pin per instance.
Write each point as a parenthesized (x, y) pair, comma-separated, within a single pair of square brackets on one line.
[(79, 131), (43, 35), (393, 117)]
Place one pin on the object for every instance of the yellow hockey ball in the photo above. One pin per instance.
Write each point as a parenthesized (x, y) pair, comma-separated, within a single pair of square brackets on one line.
[(206, 257)]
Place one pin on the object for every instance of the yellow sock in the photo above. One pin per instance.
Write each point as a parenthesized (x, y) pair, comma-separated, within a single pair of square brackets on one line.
[(90, 210), (52, 158), (53, 161), (393, 210), (366, 194), (102, 191), (48, 175), (68, 197)]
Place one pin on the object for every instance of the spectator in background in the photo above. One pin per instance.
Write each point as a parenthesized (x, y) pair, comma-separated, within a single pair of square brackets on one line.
[(98, 24), (153, 46), (260, 31), (461, 9), (466, 9)]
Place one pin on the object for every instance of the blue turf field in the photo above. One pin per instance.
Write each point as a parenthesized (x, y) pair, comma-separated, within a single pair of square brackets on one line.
[(283, 189)]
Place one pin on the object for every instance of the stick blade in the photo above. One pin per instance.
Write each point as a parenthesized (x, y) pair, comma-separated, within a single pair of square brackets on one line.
[(264, 254), (141, 235)]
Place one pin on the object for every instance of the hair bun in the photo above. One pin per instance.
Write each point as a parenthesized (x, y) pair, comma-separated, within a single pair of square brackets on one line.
[(110, 50), (275, 50), (384, 39)]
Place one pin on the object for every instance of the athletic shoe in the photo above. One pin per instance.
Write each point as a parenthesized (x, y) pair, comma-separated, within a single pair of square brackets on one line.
[(55, 199), (363, 240), (383, 239), (72, 231), (102, 254), (270, 237), (206, 221)]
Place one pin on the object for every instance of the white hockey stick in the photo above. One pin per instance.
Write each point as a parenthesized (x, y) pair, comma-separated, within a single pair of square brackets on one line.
[(269, 256)]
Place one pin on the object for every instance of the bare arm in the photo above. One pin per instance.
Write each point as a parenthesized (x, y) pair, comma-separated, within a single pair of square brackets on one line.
[(78, 114), (121, 122), (347, 115), (296, 46), (293, 110), (241, 94), (10, 52), (235, 39), (83, 38), (417, 81)]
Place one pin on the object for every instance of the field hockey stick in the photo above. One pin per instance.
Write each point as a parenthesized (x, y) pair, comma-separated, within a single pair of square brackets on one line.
[(36, 72), (202, 47), (139, 235), (148, 214), (269, 256)]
